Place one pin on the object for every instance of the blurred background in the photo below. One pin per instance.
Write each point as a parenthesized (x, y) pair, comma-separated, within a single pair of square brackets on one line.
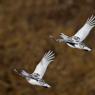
[(25, 28)]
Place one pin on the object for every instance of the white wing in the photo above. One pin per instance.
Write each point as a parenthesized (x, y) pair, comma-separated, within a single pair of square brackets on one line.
[(85, 30), (42, 66)]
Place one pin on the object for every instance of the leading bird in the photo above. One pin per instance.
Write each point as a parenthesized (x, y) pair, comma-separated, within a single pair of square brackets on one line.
[(76, 41), (36, 78)]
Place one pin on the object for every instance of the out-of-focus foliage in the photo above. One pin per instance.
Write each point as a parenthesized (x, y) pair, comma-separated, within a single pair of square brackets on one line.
[(25, 27)]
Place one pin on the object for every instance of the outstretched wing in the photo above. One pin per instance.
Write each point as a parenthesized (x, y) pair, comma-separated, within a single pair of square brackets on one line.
[(85, 30), (42, 66)]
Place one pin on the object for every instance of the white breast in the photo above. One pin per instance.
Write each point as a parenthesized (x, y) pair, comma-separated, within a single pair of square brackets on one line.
[(32, 81)]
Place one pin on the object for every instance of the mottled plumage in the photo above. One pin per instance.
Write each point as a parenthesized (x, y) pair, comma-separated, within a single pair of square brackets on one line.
[(36, 78), (76, 41)]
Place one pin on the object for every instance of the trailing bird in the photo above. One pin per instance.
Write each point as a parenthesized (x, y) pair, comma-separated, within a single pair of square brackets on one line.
[(76, 41), (36, 78)]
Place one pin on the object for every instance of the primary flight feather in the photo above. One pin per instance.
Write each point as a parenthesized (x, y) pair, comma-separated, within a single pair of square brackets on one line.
[(85, 30)]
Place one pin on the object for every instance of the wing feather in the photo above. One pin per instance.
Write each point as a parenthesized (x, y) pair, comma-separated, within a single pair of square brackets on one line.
[(43, 64), (85, 30)]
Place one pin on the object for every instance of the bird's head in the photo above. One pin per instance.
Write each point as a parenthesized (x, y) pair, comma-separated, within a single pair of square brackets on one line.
[(22, 73)]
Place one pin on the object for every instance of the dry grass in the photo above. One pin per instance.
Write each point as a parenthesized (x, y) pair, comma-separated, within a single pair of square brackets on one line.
[(25, 26)]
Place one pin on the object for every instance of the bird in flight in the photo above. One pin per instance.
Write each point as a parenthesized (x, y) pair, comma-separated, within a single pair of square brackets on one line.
[(36, 78), (76, 41)]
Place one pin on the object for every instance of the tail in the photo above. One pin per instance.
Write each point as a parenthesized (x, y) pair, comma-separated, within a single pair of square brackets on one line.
[(87, 49), (46, 85)]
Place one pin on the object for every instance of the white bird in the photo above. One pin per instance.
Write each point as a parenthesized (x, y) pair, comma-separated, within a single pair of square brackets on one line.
[(36, 77), (76, 41)]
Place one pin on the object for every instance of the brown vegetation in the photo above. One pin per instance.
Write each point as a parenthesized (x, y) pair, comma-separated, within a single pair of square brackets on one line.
[(25, 27)]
